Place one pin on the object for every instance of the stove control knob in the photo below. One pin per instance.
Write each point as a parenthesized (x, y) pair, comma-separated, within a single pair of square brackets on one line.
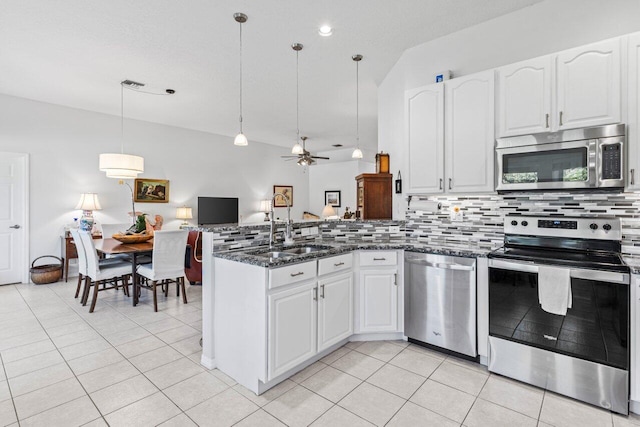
[(593, 226), (514, 222), (524, 223), (607, 227)]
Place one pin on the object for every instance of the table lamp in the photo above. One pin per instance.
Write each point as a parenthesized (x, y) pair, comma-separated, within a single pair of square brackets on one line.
[(265, 206), (328, 212), (184, 213), (88, 203)]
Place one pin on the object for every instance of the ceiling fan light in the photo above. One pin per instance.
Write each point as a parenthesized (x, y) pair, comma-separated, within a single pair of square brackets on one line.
[(357, 153), (240, 140), (297, 149)]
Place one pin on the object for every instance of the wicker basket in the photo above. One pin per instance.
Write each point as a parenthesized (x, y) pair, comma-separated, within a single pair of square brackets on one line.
[(48, 273)]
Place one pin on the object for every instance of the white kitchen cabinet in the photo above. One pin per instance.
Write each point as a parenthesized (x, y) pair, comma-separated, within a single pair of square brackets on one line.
[(378, 300), (524, 97), (633, 111), (424, 112), (634, 334), (292, 327), (335, 309), (588, 85), (469, 133)]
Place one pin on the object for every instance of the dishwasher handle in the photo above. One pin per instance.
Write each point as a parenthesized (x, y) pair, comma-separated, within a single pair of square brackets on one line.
[(442, 265)]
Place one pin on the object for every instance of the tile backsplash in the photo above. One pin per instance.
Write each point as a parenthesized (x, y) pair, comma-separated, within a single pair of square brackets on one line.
[(483, 216)]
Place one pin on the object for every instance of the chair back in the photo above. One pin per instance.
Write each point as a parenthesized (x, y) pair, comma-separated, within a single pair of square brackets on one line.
[(82, 253), (109, 230), (93, 268), (168, 252)]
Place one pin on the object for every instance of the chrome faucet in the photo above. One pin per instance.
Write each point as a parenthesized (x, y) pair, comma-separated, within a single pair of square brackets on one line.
[(288, 239)]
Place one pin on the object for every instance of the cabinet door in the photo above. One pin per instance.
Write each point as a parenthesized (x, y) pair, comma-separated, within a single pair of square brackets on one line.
[(378, 292), (524, 97), (292, 328), (469, 133), (588, 80), (633, 132), (424, 115), (335, 310), (634, 335)]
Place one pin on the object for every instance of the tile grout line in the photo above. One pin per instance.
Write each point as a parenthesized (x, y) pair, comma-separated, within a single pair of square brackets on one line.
[(15, 410)]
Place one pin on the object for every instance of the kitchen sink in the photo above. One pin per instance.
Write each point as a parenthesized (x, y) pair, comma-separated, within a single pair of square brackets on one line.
[(305, 250), (273, 254)]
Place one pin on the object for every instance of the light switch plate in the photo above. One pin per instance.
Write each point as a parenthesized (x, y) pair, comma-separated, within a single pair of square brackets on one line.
[(394, 229)]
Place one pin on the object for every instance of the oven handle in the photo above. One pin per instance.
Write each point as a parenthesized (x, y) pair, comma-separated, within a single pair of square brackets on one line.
[(576, 273)]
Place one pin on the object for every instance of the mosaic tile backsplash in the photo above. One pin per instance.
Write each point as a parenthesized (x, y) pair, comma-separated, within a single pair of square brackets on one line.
[(482, 216)]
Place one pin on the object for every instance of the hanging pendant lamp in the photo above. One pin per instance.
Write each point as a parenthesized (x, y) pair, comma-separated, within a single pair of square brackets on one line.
[(297, 148), (240, 138), (120, 165), (357, 153)]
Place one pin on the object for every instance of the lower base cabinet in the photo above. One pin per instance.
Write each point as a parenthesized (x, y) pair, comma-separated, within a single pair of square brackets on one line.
[(378, 300), (335, 310)]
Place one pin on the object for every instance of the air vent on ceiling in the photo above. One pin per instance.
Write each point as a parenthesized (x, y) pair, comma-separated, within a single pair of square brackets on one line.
[(337, 145)]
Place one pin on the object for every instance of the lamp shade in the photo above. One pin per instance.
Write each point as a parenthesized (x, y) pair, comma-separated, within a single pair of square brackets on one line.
[(265, 205), (240, 140), (328, 211), (89, 202), (121, 166), (357, 153), (184, 213)]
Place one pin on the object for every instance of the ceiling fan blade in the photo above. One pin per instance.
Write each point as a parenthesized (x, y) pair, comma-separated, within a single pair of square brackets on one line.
[(289, 157), (288, 160), (320, 157)]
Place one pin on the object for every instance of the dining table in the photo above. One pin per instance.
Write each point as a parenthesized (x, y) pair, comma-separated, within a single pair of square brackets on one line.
[(134, 251)]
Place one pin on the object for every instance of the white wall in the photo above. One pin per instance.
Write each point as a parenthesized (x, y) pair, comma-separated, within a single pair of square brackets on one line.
[(537, 30), (336, 176), (64, 145)]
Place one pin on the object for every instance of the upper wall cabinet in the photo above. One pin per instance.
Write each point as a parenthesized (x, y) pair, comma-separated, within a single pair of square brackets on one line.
[(633, 111), (451, 150), (424, 113), (587, 90)]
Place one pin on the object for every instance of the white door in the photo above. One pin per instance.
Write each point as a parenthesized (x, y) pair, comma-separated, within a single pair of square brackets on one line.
[(588, 80), (524, 97), (335, 310), (633, 130), (292, 328), (13, 218), (469, 133), (378, 300), (424, 115)]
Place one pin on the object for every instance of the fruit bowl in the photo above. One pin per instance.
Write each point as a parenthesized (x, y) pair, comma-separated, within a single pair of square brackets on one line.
[(132, 238)]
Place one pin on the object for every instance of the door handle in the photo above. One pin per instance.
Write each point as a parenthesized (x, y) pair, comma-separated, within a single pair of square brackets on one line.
[(315, 294), (379, 259), (15, 226), (560, 118)]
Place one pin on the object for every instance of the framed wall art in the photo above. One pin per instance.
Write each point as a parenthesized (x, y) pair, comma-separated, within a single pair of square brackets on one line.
[(332, 198), (148, 190), (279, 201)]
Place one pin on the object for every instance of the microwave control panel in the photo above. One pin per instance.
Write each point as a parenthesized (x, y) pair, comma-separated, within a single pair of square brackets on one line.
[(612, 161)]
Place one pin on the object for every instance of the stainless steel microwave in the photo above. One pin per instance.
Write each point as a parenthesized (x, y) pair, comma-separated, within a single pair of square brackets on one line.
[(576, 159)]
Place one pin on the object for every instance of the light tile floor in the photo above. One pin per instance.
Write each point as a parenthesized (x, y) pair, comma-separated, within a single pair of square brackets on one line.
[(121, 366)]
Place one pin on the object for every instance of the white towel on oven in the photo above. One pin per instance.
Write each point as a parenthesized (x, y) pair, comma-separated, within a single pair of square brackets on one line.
[(554, 289)]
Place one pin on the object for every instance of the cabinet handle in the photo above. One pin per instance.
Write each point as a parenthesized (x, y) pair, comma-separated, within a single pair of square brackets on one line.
[(379, 259), (546, 119), (633, 180), (441, 183), (300, 273), (315, 294), (395, 279), (338, 264), (560, 118), (322, 291), (450, 185)]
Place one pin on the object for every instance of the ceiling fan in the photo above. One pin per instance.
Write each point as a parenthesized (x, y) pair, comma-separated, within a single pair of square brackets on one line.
[(305, 158)]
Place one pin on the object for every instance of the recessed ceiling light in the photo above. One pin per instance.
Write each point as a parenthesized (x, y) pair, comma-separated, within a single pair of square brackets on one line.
[(325, 31)]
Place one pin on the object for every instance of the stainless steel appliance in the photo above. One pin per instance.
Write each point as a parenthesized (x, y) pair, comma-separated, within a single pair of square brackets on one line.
[(585, 353), (440, 301), (577, 159)]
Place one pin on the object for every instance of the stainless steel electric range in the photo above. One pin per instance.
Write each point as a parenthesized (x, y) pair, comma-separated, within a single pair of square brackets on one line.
[(559, 308)]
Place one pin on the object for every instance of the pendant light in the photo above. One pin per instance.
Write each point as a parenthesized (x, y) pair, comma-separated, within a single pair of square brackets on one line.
[(120, 165), (357, 153), (240, 139), (297, 148)]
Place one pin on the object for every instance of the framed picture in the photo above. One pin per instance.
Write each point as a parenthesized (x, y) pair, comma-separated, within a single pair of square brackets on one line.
[(151, 190), (279, 201), (332, 198)]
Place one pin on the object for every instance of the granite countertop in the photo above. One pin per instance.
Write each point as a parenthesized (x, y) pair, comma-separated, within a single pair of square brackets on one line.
[(633, 262), (330, 248)]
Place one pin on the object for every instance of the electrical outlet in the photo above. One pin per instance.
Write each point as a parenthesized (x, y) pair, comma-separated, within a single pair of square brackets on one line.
[(304, 231), (313, 230), (394, 229)]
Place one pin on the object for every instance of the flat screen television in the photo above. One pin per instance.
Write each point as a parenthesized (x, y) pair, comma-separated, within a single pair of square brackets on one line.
[(217, 210)]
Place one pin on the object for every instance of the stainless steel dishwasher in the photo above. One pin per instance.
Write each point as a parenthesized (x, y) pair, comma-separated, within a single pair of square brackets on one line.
[(440, 301)]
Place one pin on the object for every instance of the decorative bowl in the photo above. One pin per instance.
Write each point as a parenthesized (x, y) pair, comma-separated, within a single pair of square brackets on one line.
[(132, 238)]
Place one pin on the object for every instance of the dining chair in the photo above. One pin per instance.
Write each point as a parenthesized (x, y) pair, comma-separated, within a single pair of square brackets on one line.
[(167, 265), (101, 274)]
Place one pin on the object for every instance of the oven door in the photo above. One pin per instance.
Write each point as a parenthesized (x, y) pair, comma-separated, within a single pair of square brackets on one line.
[(595, 329), (553, 166)]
